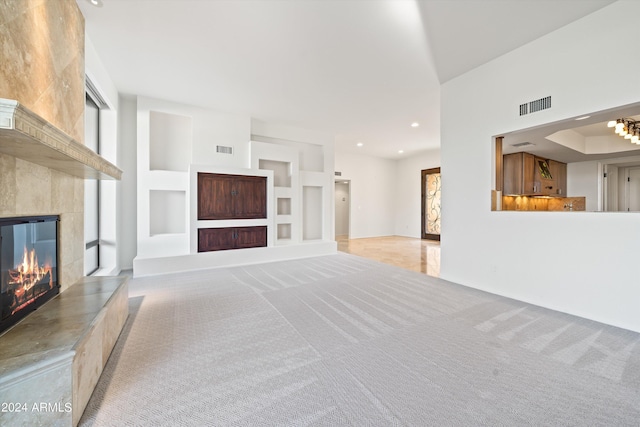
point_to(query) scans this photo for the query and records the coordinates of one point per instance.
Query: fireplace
(28, 265)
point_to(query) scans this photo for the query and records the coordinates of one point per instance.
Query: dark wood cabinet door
(251, 237)
(215, 196)
(222, 196)
(250, 197)
(215, 239)
(220, 239)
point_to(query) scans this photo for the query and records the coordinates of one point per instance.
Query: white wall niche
(281, 171)
(312, 213)
(284, 232)
(283, 206)
(170, 140)
(166, 212)
(311, 156)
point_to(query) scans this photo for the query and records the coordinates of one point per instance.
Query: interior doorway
(620, 188)
(342, 202)
(431, 192)
(633, 189)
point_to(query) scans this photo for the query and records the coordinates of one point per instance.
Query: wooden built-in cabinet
(219, 239)
(526, 174)
(222, 196)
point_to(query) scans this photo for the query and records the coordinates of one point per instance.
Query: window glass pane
(91, 192)
(90, 260)
(90, 210)
(91, 115)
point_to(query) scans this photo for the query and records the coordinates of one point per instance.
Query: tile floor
(413, 254)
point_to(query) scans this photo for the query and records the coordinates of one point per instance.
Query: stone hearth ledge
(56, 354)
(26, 135)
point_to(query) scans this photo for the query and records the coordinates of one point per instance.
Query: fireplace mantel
(25, 135)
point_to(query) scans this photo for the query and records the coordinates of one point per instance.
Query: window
(92, 192)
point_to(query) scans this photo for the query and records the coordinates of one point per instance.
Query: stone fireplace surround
(44, 69)
(54, 357)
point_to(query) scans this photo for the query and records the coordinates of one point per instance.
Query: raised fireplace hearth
(28, 266)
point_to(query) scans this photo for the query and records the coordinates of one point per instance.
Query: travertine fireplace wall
(43, 69)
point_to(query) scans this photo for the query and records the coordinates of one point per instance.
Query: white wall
(408, 193)
(128, 198)
(95, 70)
(373, 188)
(582, 262)
(582, 180)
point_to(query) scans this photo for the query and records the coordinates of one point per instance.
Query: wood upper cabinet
(526, 174)
(518, 173)
(222, 196)
(559, 172)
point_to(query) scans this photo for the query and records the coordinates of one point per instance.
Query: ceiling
(360, 70)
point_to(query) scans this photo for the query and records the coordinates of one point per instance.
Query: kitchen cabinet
(559, 172)
(527, 174)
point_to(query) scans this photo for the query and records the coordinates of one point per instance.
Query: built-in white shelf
(281, 171)
(170, 138)
(283, 232)
(283, 206)
(166, 212)
(284, 219)
(312, 204)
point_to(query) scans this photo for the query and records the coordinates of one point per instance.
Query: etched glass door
(431, 192)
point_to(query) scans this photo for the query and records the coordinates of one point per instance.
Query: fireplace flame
(29, 273)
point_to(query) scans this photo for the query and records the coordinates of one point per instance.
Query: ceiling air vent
(338, 173)
(537, 105)
(522, 144)
(223, 149)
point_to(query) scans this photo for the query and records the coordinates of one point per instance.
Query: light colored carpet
(341, 340)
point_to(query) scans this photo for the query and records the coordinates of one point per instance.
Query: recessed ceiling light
(359, 144)
(400, 151)
(415, 124)
(96, 3)
(345, 182)
(583, 117)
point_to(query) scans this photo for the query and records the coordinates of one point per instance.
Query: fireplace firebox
(28, 265)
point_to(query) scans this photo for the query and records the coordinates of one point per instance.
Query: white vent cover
(537, 105)
(224, 149)
(522, 144)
